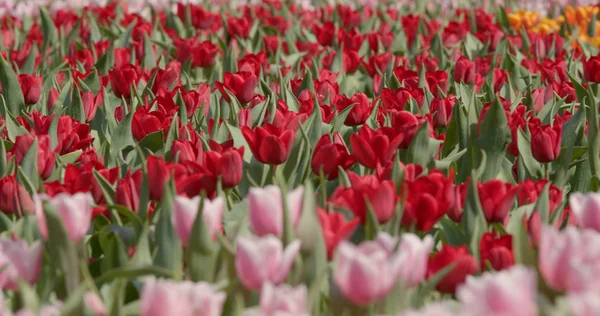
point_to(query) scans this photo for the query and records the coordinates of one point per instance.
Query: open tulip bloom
(295, 157)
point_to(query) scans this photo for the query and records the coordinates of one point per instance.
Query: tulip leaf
(11, 89)
(473, 219)
(419, 151)
(542, 205)
(201, 253)
(586, 98)
(239, 140)
(123, 135)
(149, 54)
(30, 164)
(494, 139)
(153, 142)
(372, 223)
(114, 250)
(107, 189)
(76, 109)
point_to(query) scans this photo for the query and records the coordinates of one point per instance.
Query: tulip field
(298, 157)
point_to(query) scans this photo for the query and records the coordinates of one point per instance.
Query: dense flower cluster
(299, 158)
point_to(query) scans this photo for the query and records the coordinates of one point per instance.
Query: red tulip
(591, 69)
(380, 194)
(128, 191)
(464, 265)
(45, 155)
(428, 198)
(122, 56)
(545, 140)
(374, 147)
(359, 113)
(186, 151)
(335, 229)
(464, 71)
(122, 78)
(397, 99)
(31, 86)
(437, 80)
(497, 198)
(158, 175)
(52, 98)
(238, 27)
(91, 104)
(227, 162)
(270, 144)
(497, 251)
(500, 78)
(14, 199)
(442, 110)
(145, 123)
(165, 79)
(329, 155)
(240, 84)
(204, 54)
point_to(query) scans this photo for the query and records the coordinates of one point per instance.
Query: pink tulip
(584, 304)
(167, 297)
(508, 292)
(586, 208)
(433, 309)
(265, 209)
(281, 300)
(184, 215)
(570, 259)
(19, 261)
(93, 302)
(368, 272)
(261, 260)
(74, 210)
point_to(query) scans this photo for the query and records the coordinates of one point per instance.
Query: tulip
(359, 113)
(335, 229)
(185, 211)
(437, 80)
(31, 86)
(146, 122)
(545, 141)
(52, 99)
(227, 164)
(591, 69)
(270, 144)
(238, 27)
(128, 191)
(158, 176)
(496, 199)
(186, 151)
(19, 262)
(204, 54)
(329, 155)
(93, 302)
(167, 297)
(584, 304)
(374, 147)
(464, 265)
(464, 71)
(165, 78)
(432, 309)
(264, 260)
(240, 84)
(509, 292)
(14, 199)
(570, 259)
(397, 99)
(45, 155)
(428, 198)
(195, 99)
(265, 209)
(442, 111)
(75, 211)
(496, 251)
(281, 300)
(586, 208)
(91, 104)
(122, 78)
(368, 272)
(381, 195)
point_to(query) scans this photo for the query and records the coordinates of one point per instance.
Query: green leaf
(107, 189)
(48, 28)
(153, 142)
(76, 109)
(473, 220)
(201, 253)
(149, 58)
(11, 89)
(123, 135)
(30, 164)
(61, 249)
(494, 139)
(169, 251)
(133, 272)
(420, 151)
(542, 205)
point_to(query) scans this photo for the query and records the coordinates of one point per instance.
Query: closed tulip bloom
(45, 155)
(584, 304)
(545, 141)
(368, 272)
(185, 211)
(265, 209)
(464, 71)
(31, 86)
(374, 147)
(14, 199)
(359, 113)
(52, 98)
(497, 198)
(586, 208)
(264, 260)
(75, 211)
(128, 189)
(270, 144)
(329, 155)
(240, 84)
(227, 164)
(591, 69)
(122, 78)
(570, 259)
(496, 251)
(464, 265)
(19, 261)
(428, 198)
(91, 104)
(158, 175)
(509, 292)
(442, 111)
(281, 300)
(167, 297)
